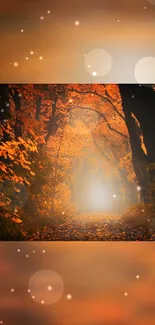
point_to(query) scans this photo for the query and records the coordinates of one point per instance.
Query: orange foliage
(72, 123)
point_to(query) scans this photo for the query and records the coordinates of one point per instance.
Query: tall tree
(140, 101)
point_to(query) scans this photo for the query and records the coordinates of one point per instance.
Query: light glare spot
(152, 2)
(98, 62)
(77, 23)
(145, 70)
(47, 286)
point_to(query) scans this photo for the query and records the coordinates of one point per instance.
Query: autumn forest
(77, 162)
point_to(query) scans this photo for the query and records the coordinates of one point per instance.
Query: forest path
(100, 228)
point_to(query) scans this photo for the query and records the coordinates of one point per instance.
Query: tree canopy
(51, 136)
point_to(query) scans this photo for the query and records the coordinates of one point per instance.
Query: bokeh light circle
(145, 70)
(46, 287)
(152, 2)
(98, 62)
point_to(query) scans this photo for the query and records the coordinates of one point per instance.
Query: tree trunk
(143, 107)
(38, 107)
(18, 122)
(4, 110)
(51, 123)
(136, 106)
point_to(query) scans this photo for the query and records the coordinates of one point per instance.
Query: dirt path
(100, 228)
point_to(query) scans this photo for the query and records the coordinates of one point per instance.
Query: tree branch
(107, 99)
(102, 115)
(113, 145)
(100, 150)
(11, 93)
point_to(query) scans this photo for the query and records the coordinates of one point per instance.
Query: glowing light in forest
(138, 188)
(98, 196)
